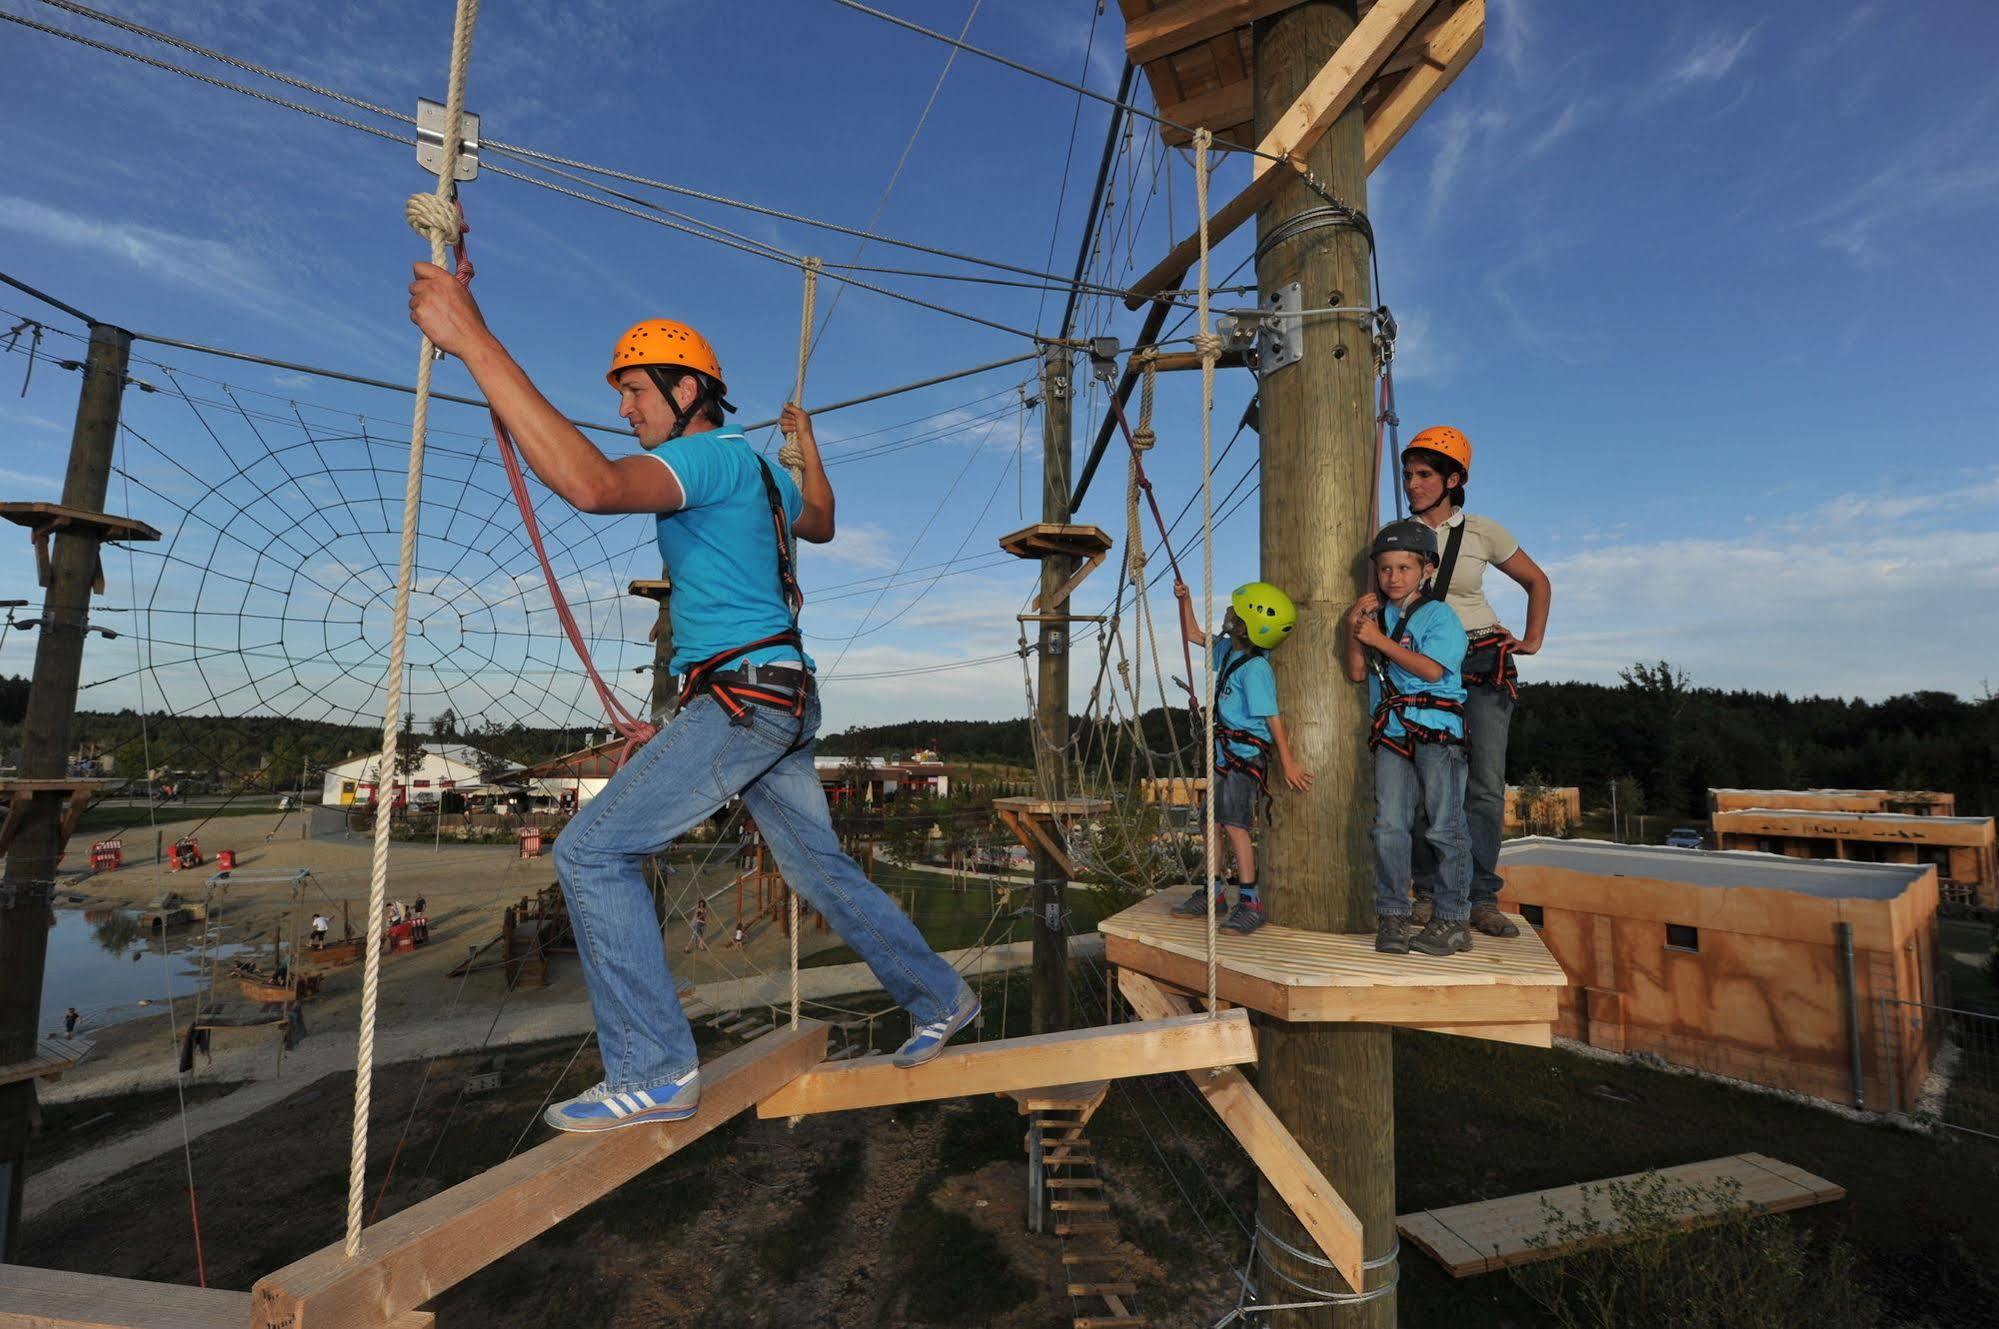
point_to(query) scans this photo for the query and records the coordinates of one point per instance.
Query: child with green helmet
(1248, 729)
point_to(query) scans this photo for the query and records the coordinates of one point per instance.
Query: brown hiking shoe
(1487, 919)
(1391, 934)
(1425, 909)
(1442, 936)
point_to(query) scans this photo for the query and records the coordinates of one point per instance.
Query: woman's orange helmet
(1445, 442)
(663, 343)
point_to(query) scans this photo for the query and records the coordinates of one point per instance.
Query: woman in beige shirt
(1435, 469)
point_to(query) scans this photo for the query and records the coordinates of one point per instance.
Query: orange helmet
(1445, 442)
(665, 343)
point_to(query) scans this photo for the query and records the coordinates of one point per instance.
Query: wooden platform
(57, 1299)
(655, 589)
(79, 792)
(1086, 544)
(1082, 1099)
(1493, 1234)
(1025, 818)
(52, 1057)
(1504, 988)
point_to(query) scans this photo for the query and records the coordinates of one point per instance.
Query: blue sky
(1709, 287)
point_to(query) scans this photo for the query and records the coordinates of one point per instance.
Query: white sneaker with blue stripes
(928, 1040)
(598, 1109)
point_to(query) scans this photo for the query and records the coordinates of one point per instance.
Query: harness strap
(1395, 702)
(1440, 585)
(1504, 672)
(1226, 759)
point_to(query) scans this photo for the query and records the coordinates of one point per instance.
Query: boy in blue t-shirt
(1408, 648)
(1247, 729)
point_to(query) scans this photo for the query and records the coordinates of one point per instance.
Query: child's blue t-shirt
(721, 551)
(1432, 630)
(1249, 697)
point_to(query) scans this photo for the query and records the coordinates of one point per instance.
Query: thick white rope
(1210, 347)
(436, 218)
(793, 459)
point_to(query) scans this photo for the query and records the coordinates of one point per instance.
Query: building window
(1682, 937)
(1532, 913)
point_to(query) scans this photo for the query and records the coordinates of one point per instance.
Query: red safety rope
(632, 729)
(1165, 541)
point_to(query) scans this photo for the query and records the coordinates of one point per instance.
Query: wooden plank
(1294, 1176)
(52, 1057)
(1457, 40)
(1103, 1289)
(56, 516)
(1496, 1234)
(1222, 109)
(1301, 126)
(1527, 1033)
(407, 1259)
(59, 1299)
(1083, 1099)
(1153, 1047)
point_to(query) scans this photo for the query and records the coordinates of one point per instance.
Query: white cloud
(1558, 129)
(1456, 130)
(1713, 58)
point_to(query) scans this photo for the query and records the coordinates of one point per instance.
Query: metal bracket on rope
(430, 140)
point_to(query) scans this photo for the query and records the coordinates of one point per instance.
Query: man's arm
(815, 519)
(1188, 627)
(556, 450)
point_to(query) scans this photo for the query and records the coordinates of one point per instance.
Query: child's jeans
(1433, 782)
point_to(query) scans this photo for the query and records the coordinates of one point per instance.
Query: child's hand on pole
(1300, 781)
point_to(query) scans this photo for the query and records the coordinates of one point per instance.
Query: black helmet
(1407, 536)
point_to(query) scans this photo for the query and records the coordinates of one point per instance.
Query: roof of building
(1836, 793)
(1824, 878)
(462, 754)
(1878, 818)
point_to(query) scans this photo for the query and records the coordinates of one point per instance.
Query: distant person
(737, 942)
(320, 924)
(69, 1019)
(697, 928)
(1247, 730)
(417, 908)
(1435, 468)
(748, 707)
(1407, 647)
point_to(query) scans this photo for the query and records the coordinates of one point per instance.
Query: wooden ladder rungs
(1073, 1183)
(1103, 1289)
(1091, 1257)
(1110, 1321)
(1080, 1206)
(1082, 1229)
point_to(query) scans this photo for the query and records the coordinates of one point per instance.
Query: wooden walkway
(1493, 1234)
(1504, 988)
(52, 1057)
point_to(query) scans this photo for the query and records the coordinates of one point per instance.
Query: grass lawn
(951, 917)
(134, 819)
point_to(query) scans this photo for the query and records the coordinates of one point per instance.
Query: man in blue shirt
(1247, 730)
(749, 706)
(1408, 647)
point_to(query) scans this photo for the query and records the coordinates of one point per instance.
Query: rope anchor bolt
(430, 140)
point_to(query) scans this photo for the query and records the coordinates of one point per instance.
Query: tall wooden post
(1331, 1084)
(28, 888)
(1051, 888)
(663, 690)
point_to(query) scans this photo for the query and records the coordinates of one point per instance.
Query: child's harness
(1256, 767)
(1397, 703)
(780, 687)
(1488, 663)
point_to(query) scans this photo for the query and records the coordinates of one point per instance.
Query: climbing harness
(1395, 703)
(1488, 662)
(1226, 759)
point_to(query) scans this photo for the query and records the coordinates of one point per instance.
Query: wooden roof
(1196, 55)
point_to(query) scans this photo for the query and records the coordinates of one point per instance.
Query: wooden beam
(1329, 1219)
(59, 1299)
(412, 1256)
(1153, 1047)
(1456, 41)
(1527, 1033)
(1221, 109)
(1311, 114)
(1184, 23)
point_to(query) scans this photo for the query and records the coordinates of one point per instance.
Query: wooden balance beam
(411, 1257)
(1151, 1047)
(58, 1299)
(1291, 1173)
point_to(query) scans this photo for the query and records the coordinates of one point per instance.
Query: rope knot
(792, 458)
(1142, 439)
(435, 219)
(1209, 344)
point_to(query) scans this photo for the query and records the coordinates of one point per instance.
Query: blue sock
(1245, 892)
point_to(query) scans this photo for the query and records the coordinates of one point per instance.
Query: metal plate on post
(430, 139)
(1280, 340)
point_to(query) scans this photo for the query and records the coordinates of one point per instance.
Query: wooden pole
(27, 891)
(662, 656)
(1051, 883)
(1330, 1084)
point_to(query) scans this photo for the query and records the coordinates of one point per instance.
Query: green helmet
(1266, 611)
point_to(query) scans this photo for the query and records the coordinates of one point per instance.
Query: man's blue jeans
(1488, 719)
(1421, 796)
(690, 768)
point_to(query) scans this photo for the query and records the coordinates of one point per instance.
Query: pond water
(113, 970)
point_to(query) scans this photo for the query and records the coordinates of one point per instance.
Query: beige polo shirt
(1485, 542)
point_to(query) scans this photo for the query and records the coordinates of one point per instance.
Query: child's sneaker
(598, 1109)
(929, 1039)
(1442, 936)
(1244, 919)
(1196, 904)
(1391, 934)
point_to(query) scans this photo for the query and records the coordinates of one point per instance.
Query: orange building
(1914, 802)
(1960, 848)
(1556, 809)
(1736, 963)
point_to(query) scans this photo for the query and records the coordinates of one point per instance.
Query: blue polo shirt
(720, 551)
(1248, 699)
(1433, 630)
